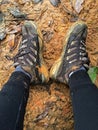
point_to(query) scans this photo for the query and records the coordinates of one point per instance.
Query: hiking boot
(29, 56)
(74, 55)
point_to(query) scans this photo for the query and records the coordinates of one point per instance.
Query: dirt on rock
(49, 106)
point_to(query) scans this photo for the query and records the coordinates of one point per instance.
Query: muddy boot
(74, 55)
(29, 56)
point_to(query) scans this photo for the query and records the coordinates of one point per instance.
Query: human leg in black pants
(71, 68)
(84, 96)
(29, 66)
(13, 100)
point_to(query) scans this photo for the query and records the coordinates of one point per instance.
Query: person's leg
(30, 68)
(13, 100)
(84, 96)
(71, 68)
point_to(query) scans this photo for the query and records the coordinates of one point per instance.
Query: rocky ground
(49, 107)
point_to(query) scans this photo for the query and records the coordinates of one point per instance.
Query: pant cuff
(79, 79)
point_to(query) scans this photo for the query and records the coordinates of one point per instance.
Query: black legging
(14, 95)
(85, 101)
(13, 100)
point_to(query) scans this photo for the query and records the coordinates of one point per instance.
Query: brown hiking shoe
(74, 55)
(29, 55)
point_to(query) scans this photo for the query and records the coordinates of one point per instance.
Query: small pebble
(36, 1)
(55, 2)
